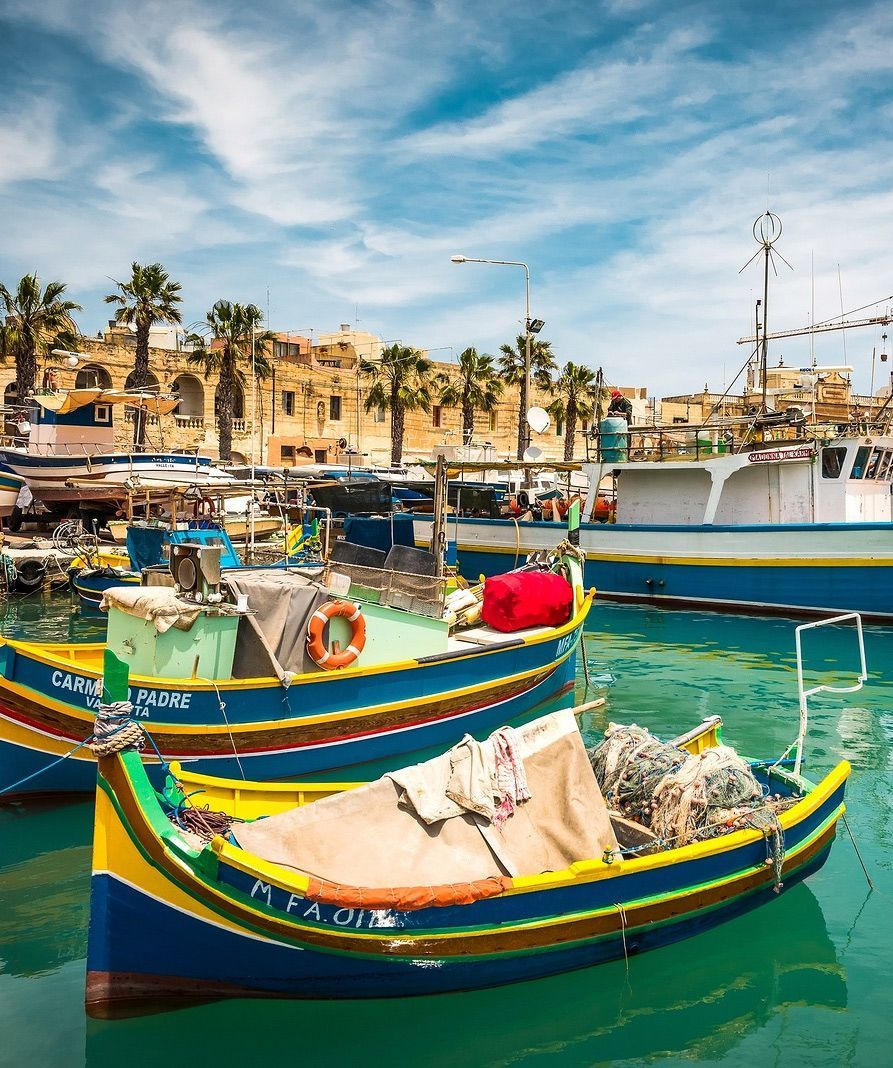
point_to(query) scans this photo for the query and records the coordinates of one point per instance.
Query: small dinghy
(519, 857)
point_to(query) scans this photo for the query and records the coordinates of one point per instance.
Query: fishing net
(683, 797)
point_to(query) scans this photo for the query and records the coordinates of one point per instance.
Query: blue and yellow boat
(174, 917)
(416, 685)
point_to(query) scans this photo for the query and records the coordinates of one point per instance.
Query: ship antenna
(766, 231)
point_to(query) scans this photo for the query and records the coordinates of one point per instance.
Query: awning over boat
(370, 837)
(64, 401)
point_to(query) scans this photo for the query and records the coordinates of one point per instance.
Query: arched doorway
(192, 397)
(93, 377)
(150, 383)
(10, 395)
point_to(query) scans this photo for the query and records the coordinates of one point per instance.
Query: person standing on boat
(620, 406)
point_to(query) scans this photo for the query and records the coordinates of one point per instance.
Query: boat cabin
(79, 421)
(847, 480)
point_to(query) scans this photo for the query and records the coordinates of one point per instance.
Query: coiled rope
(115, 731)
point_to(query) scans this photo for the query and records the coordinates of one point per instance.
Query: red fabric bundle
(527, 599)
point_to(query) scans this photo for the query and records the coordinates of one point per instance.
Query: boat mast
(766, 231)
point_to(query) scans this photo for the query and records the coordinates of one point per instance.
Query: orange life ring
(204, 506)
(316, 646)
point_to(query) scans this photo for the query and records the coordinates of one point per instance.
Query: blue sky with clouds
(337, 154)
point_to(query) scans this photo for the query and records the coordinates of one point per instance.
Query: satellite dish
(538, 420)
(532, 453)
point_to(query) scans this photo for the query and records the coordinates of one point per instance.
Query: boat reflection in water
(44, 882)
(701, 999)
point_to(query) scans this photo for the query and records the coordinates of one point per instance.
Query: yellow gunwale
(66, 655)
(584, 871)
(702, 561)
(252, 726)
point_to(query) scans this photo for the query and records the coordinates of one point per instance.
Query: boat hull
(10, 487)
(109, 476)
(322, 723)
(91, 583)
(808, 569)
(221, 930)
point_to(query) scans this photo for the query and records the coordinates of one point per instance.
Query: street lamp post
(527, 331)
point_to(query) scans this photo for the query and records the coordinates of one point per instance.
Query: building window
(288, 402)
(320, 456)
(679, 419)
(559, 427)
(378, 415)
(334, 407)
(436, 413)
(493, 420)
(286, 348)
(584, 425)
(287, 454)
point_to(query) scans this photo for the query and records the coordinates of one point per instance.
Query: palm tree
(478, 387)
(400, 384)
(148, 297)
(223, 351)
(35, 320)
(578, 392)
(542, 364)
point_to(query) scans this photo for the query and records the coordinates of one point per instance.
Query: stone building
(310, 410)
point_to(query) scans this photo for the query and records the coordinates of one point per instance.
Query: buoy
(316, 646)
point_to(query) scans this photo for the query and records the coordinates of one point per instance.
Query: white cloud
(323, 156)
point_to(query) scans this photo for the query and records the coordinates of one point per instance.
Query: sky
(326, 160)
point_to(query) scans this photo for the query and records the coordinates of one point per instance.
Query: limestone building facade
(312, 408)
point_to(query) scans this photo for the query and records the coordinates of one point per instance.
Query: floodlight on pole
(72, 359)
(528, 331)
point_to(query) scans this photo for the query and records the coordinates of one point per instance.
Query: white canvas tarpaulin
(368, 837)
(157, 604)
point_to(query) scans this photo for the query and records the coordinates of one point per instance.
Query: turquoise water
(804, 980)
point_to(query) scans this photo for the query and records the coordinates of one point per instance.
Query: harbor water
(803, 980)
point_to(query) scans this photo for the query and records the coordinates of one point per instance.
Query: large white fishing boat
(802, 525)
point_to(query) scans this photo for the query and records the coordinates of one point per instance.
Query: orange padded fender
(405, 898)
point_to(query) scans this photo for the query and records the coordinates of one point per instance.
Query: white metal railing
(805, 694)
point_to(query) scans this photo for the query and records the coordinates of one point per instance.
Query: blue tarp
(381, 533)
(145, 546)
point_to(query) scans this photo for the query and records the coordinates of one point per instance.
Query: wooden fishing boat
(176, 917)
(416, 684)
(10, 488)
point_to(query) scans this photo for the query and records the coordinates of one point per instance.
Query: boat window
(103, 413)
(832, 461)
(871, 469)
(861, 459)
(883, 470)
